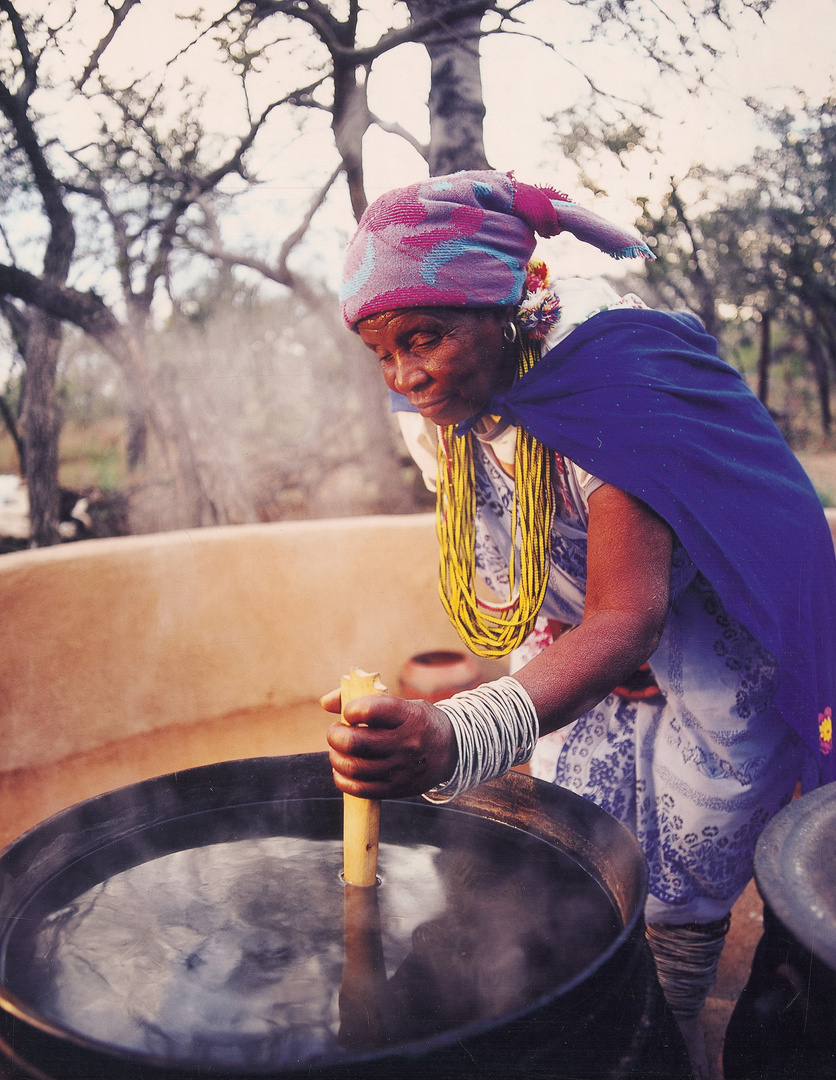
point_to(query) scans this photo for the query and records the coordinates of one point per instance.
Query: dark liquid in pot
(200, 943)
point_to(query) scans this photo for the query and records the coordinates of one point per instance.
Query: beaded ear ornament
(539, 309)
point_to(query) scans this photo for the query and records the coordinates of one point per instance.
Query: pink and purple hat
(461, 241)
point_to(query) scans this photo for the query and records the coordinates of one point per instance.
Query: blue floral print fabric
(694, 774)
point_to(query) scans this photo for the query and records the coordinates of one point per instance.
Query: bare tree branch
(85, 310)
(331, 32)
(396, 129)
(277, 271)
(298, 234)
(271, 271)
(18, 321)
(119, 15)
(7, 242)
(28, 62)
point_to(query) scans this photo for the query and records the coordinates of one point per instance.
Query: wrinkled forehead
(397, 315)
(403, 319)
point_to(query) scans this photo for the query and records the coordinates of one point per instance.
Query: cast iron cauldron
(784, 1024)
(85, 887)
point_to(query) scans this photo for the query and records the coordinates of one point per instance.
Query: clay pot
(432, 676)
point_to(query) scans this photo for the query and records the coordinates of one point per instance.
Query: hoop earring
(509, 332)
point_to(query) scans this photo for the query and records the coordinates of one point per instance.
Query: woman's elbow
(650, 630)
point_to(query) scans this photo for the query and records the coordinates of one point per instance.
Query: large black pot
(784, 1024)
(607, 1019)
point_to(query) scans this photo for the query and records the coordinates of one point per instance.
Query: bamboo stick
(361, 817)
(363, 986)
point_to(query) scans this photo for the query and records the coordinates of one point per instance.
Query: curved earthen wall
(124, 659)
(217, 641)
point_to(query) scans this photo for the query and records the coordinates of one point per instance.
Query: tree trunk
(765, 357)
(136, 437)
(456, 104)
(819, 362)
(350, 123)
(40, 418)
(41, 424)
(155, 403)
(696, 271)
(164, 411)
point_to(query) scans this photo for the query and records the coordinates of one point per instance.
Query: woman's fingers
(378, 710)
(391, 747)
(378, 729)
(361, 745)
(331, 701)
(381, 711)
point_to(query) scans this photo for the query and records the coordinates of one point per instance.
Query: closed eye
(424, 340)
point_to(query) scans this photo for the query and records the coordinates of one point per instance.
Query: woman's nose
(409, 374)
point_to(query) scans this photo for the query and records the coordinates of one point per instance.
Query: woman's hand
(388, 747)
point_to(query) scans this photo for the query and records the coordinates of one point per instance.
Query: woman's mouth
(430, 407)
(445, 410)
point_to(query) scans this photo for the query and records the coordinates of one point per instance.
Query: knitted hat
(461, 241)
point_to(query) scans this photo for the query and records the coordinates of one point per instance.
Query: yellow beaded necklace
(493, 630)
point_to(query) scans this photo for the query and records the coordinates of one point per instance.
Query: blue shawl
(641, 400)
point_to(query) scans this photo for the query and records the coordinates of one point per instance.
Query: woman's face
(448, 362)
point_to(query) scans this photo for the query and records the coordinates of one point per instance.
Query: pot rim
(795, 874)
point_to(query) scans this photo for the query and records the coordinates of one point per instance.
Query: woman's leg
(686, 961)
(697, 802)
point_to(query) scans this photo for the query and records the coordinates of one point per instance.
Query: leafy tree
(688, 271)
(761, 238)
(787, 252)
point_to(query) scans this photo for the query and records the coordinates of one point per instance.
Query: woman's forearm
(627, 595)
(586, 663)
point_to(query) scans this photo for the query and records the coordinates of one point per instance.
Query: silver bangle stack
(495, 727)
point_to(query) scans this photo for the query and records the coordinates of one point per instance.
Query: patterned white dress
(696, 772)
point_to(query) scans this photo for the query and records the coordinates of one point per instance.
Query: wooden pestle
(362, 997)
(361, 817)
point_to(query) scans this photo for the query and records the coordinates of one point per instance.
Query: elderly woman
(655, 557)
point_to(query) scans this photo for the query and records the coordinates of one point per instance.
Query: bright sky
(523, 82)
(792, 48)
